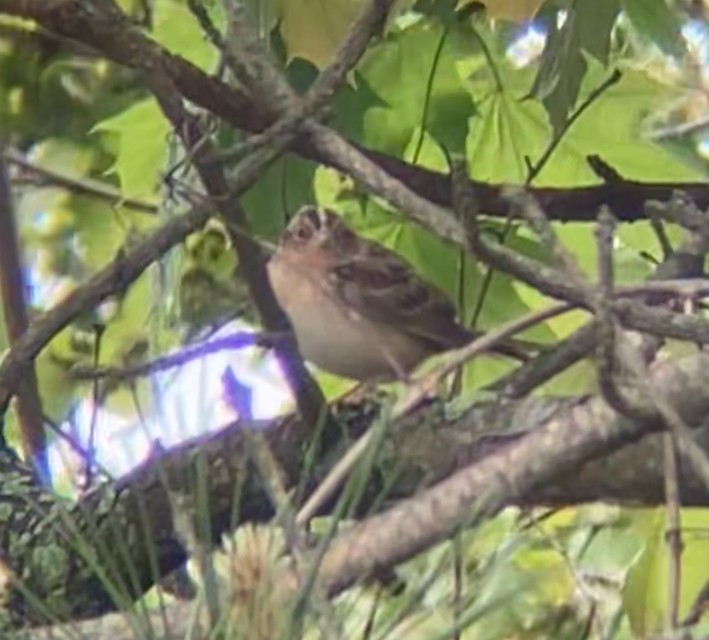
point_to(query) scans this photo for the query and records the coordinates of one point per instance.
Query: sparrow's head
(318, 228)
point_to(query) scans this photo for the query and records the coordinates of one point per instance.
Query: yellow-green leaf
(142, 132)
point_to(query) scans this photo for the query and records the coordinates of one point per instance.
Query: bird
(358, 309)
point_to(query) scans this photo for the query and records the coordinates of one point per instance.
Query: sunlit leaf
(142, 131)
(645, 597)
(640, 237)
(177, 29)
(103, 230)
(74, 159)
(126, 341)
(508, 129)
(427, 152)
(333, 19)
(414, 73)
(56, 387)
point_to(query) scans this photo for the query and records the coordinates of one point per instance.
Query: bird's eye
(303, 232)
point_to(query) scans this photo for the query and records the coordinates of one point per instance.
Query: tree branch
(14, 308)
(561, 446)
(85, 186)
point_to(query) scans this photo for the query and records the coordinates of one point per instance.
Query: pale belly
(352, 347)
(340, 342)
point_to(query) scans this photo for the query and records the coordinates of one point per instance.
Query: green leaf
(74, 159)
(645, 595)
(613, 549)
(348, 106)
(641, 238)
(178, 30)
(281, 190)
(586, 29)
(57, 388)
(413, 71)
(298, 18)
(103, 230)
(142, 133)
(427, 151)
(125, 341)
(507, 129)
(655, 20)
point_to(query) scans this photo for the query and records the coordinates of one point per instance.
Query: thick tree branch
(561, 446)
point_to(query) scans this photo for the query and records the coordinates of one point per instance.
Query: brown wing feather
(385, 289)
(382, 287)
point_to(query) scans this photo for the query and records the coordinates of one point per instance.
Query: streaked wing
(381, 287)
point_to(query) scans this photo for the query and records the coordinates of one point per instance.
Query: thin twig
(85, 186)
(581, 587)
(540, 276)
(535, 170)
(75, 446)
(457, 603)
(528, 208)
(199, 11)
(698, 608)
(673, 532)
(679, 210)
(606, 335)
(241, 340)
(662, 238)
(680, 129)
(564, 354)
(99, 331)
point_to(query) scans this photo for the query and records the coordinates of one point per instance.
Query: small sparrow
(359, 310)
